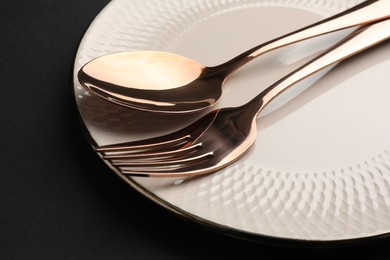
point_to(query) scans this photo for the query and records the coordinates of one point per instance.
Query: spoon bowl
(159, 81)
(169, 83)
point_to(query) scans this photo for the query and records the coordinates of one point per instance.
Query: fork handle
(367, 12)
(361, 39)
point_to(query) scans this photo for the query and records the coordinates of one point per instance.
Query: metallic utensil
(169, 83)
(224, 135)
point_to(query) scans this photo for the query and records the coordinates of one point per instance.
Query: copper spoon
(222, 136)
(169, 83)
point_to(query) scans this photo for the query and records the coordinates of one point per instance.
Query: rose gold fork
(224, 135)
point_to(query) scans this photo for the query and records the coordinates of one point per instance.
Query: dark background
(57, 199)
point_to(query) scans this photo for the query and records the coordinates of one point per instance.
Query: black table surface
(57, 199)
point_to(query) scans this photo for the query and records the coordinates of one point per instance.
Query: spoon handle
(367, 12)
(360, 40)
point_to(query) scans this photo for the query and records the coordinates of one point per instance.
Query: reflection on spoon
(169, 83)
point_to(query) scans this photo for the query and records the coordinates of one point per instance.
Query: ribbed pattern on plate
(340, 204)
(343, 203)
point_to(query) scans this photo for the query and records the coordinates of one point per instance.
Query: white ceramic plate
(320, 168)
